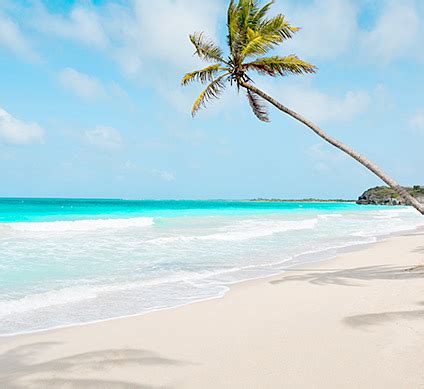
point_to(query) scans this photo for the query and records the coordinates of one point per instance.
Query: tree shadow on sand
(419, 249)
(349, 277)
(373, 319)
(17, 369)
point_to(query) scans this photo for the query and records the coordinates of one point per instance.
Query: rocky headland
(383, 195)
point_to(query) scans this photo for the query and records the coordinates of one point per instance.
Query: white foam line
(82, 225)
(248, 229)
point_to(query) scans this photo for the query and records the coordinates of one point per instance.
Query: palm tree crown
(251, 35)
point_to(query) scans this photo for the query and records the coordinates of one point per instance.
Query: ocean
(68, 261)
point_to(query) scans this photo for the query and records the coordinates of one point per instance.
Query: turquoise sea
(65, 262)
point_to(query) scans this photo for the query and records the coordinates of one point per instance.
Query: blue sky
(91, 105)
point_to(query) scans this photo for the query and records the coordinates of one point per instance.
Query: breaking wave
(82, 225)
(248, 229)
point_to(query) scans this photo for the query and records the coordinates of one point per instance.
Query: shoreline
(317, 257)
(262, 332)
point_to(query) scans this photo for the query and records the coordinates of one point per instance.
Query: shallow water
(73, 261)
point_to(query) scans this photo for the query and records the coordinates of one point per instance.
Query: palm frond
(273, 66)
(212, 91)
(253, 34)
(204, 75)
(258, 43)
(258, 106)
(231, 25)
(279, 26)
(206, 49)
(258, 16)
(244, 12)
(242, 16)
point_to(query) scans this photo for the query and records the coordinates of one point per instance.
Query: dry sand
(356, 321)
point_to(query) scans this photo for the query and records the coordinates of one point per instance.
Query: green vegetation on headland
(383, 195)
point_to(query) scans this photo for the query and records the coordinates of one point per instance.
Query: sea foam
(245, 230)
(82, 225)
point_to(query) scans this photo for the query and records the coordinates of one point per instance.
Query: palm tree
(251, 35)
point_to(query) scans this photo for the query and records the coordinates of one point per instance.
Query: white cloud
(104, 138)
(92, 89)
(13, 39)
(325, 158)
(327, 27)
(321, 107)
(164, 175)
(17, 132)
(417, 122)
(130, 165)
(330, 28)
(140, 40)
(382, 100)
(83, 25)
(168, 40)
(130, 34)
(151, 50)
(81, 84)
(161, 174)
(194, 137)
(395, 34)
(142, 43)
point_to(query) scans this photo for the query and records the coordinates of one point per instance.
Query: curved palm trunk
(361, 159)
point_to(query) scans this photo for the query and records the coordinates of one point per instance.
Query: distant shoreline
(310, 200)
(302, 201)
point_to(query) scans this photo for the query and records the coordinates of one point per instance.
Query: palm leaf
(203, 75)
(244, 12)
(279, 26)
(206, 49)
(273, 66)
(258, 43)
(212, 91)
(242, 20)
(231, 24)
(260, 13)
(251, 34)
(258, 106)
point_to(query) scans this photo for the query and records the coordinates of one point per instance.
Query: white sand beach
(356, 321)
